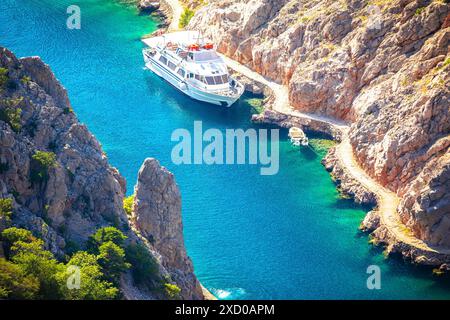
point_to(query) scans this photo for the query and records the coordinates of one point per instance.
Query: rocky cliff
(382, 66)
(157, 215)
(61, 183)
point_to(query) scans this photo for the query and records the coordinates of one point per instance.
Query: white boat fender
(182, 85)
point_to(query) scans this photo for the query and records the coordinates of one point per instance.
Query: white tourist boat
(298, 137)
(190, 64)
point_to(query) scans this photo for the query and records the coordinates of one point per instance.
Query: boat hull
(188, 89)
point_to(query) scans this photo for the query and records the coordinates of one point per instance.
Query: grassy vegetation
(186, 16)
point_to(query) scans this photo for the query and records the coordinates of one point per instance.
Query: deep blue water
(287, 236)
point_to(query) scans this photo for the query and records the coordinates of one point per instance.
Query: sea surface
(286, 236)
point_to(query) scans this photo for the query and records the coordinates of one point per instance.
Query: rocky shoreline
(385, 73)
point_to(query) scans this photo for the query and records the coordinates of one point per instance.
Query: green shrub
(33, 272)
(35, 261)
(15, 283)
(186, 16)
(92, 284)
(13, 235)
(3, 77)
(10, 113)
(41, 162)
(420, 10)
(143, 266)
(6, 208)
(128, 204)
(68, 110)
(25, 80)
(172, 291)
(104, 235)
(111, 258)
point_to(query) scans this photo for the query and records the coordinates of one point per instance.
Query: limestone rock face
(81, 192)
(157, 215)
(383, 66)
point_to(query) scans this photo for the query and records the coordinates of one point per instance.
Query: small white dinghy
(298, 137)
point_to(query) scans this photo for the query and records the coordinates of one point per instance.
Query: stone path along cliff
(387, 200)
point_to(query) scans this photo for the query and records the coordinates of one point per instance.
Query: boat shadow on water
(238, 115)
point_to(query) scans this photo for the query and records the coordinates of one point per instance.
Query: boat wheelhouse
(298, 137)
(191, 65)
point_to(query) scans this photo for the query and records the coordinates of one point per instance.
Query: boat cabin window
(225, 78)
(171, 65)
(219, 80)
(198, 77)
(210, 80)
(181, 72)
(205, 56)
(163, 59)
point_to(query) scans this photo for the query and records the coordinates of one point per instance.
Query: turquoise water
(287, 236)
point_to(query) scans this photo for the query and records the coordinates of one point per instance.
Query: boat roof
(207, 67)
(181, 37)
(295, 132)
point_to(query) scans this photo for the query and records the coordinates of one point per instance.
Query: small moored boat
(298, 137)
(190, 64)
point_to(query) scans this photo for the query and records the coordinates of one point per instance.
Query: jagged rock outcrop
(82, 191)
(78, 191)
(157, 215)
(384, 66)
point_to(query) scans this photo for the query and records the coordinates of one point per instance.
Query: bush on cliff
(172, 291)
(186, 16)
(3, 77)
(143, 266)
(35, 261)
(6, 210)
(92, 285)
(12, 235)
(111, 258)
(11, 113)
(43, 277)
(128, 204)
(15, 283)
(41, 163)
(104, 235)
